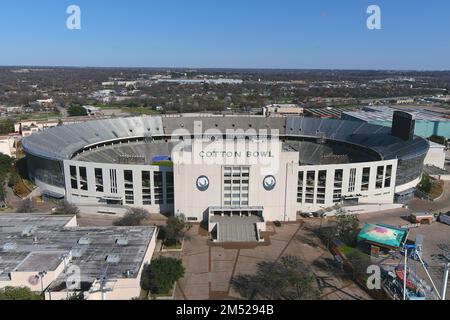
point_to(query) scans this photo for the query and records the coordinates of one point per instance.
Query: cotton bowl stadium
(234, 172)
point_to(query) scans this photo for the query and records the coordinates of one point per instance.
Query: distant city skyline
(250, 34)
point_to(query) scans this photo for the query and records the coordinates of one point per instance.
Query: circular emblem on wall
(269, 183)
(202, 183)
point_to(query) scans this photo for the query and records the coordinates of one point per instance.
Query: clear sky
(227, 33)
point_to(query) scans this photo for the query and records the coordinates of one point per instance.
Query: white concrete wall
(435, 156)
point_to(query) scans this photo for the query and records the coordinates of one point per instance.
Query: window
(300, 184)
(83, 179)
(113, 179)
(146, 188)
(365, 179)
(380, 177)
(98, 180)
(236, 186)
(158, 187)
(73, 177)
(387, 180)
(128, 185)
(352, 180)
(337, 192)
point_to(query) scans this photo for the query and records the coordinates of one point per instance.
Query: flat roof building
(50, 253)
(428, 123)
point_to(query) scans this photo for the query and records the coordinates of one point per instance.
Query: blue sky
(227, 33)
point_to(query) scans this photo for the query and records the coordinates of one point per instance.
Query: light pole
(41, 275)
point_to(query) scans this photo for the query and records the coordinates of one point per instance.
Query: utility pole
(41, 275)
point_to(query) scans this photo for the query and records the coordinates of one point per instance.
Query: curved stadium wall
(109, 162)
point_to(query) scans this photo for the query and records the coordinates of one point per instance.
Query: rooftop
(35, 243)
(384, 113)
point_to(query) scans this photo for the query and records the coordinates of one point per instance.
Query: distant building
(282, 109)
(428, 123)
(92, 111)
(101, 263)
(28, 127)
(8, 144)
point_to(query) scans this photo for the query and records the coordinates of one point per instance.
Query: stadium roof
(63, 142)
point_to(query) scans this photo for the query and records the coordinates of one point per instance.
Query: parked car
(307, 214)
(445, 218)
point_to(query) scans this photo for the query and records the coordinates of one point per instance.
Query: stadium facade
(211, 167)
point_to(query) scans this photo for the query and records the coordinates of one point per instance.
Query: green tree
(76, 111)
(160, 276)
(347, 227)
(288, 279)
(426, 184)
(19, 293)
(133, 217)
(174, 230)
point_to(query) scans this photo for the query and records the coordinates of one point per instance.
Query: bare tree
(133, 217)
(67, 208)
(288, 279)
(26, 206)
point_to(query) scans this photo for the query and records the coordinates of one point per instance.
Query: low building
(427, 123)
(8, 144)
(282, 109)
(51, 254)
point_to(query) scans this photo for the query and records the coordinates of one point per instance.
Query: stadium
(234, 172)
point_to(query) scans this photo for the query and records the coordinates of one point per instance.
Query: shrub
(22, 293)
(133, 217)
(160, 276)
(67, 208)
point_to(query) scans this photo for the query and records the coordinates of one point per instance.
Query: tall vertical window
(158, 187)
(321, 186)
(380, 177)
(98, 180)
(337, 192)
(169, 187)
(146, 188)
(236, 186)
(73, 177)
(310, 186)
(300, 184)
(83, 179)
(352, 180)
(388, 179)
(113, 180)
(365, 182)
(128, 185)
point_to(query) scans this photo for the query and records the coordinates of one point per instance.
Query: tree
(76, 111)
(347, 227)
(67, 208)
(133, 217)
(288, 279)
(174, 230)
(26, 206)
(19, 293)
(426, 184)
(160, 276)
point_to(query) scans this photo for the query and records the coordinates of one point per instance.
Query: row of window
(80, 182)
(312, 186)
